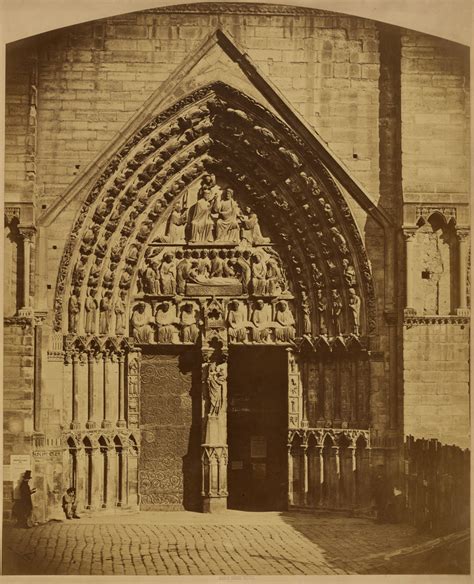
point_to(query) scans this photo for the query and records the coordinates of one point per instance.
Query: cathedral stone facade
(236, 257)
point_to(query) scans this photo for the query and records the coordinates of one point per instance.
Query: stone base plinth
(214, 504)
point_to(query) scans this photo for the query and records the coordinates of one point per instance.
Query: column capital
(409, 233)
(462, 234)
(27, 232)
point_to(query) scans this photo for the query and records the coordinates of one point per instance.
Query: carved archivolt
(215, 179)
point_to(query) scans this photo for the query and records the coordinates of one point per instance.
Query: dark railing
(436, 485)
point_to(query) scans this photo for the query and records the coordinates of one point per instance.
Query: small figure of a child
(70, 504)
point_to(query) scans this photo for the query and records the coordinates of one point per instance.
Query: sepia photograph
(236, 290)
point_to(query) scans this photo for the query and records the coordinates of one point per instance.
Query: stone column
(214, 446)
(96, 478)
(338, 474)
(290, 476)
(90, 424)
(409, 235)
(121, 422)
(305, 474)
(27, 234)
(321, 474)
(75, 424)
(463, 238)
(106, 421)
(354, 475)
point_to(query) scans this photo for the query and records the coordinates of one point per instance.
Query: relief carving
(151, 157)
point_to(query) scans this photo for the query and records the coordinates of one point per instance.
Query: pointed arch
(276, 174)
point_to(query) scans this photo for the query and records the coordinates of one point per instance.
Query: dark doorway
(257, 428)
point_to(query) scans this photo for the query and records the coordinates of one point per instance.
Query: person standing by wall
(25, 504)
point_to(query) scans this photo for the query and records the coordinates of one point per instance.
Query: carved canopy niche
(284, 218)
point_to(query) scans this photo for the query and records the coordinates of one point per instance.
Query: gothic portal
(212, 237)
(208, 310)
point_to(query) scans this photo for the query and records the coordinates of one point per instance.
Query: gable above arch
(218, 59)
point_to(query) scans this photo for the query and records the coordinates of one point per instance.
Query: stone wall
(436, 382)
(393, 106)
(435, 119)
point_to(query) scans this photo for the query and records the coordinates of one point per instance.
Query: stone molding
(436, 319)
(337, 435)
(238, 8)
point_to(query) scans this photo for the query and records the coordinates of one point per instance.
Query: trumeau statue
(216, 381)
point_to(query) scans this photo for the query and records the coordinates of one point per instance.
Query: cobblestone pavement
(234, 542)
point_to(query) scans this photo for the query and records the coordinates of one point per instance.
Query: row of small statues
(215, 217)
(167, 327)
(257, 274)
(107, 311)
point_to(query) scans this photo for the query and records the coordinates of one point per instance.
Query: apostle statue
(182, 270)
(166, 320)
(243, 269)
(142, 330)
(285, 332)
(259, 276)
(168, 275)
(273, 278)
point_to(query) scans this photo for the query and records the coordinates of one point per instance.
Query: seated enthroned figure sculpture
(189, 327)
(237, 322)
(227, 211)
(142, 330)
(285, 331)
(201, 221)
(262, 322)
(166, 320)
